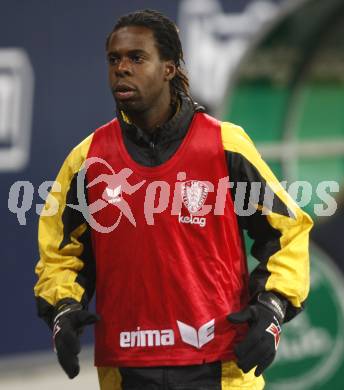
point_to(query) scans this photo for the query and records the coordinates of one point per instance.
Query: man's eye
(137, 59)
(113, 60)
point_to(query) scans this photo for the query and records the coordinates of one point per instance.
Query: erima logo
(114, 195)
(146, 338)
(275, 330)
(194, 337)
(56, 330)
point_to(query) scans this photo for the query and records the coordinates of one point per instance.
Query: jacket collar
(172, 130)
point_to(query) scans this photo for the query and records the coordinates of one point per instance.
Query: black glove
(67, 327)
(260, 344)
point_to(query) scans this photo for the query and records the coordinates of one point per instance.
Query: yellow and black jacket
(66, 269)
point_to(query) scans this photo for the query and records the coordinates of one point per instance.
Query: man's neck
(154, 117)
(150, 120)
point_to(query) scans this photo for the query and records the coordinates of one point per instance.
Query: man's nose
(123, 67)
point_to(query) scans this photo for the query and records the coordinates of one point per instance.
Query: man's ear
(170, 70)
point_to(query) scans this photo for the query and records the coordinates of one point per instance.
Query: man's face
(138, 77)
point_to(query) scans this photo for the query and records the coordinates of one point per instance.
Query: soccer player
(169, 192)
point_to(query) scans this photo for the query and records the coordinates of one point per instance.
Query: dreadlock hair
(168, 43)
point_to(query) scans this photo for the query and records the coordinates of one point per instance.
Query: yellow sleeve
(66, 268)
(280, 231)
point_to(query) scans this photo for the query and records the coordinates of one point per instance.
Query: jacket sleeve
(278, 227)
(66, 268)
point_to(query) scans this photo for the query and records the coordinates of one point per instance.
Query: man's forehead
(132, 38)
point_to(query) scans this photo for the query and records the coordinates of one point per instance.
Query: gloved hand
(260, 344)
(68, 324)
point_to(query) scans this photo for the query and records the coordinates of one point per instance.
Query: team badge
(194, 194)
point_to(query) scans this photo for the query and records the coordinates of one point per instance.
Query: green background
(289, 97)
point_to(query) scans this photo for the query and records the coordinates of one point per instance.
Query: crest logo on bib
(194, 194)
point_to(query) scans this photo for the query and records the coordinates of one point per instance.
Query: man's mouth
(124, 91)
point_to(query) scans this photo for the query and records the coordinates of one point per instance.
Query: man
(160, 239)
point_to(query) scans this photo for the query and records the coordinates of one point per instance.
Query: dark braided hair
(167, 41)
